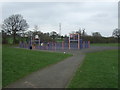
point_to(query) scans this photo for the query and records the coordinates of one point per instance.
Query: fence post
(78, 41)
(63, 45)
(88, 44)
(55, 45)
(69, 43)
(83, 44)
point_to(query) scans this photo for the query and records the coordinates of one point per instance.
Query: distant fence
(55, 45)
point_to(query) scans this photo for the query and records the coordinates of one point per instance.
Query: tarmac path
(57, 75)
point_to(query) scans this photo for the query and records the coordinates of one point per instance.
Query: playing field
(18, 63)
(99, 70)
(105, 44)
(0, 66)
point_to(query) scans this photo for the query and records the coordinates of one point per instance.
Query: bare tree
(116, 33)
(84, 32)
(36, 28)
(79, 32)
(14, 24)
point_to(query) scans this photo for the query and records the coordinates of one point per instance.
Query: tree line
(15, 29)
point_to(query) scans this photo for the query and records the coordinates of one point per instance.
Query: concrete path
(57, 75)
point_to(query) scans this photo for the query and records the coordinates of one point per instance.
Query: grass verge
(99, 70)
(18, 63)
(104, 44)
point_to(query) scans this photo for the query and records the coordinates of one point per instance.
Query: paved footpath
(57, 75)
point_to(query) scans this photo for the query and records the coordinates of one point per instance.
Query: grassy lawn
(18, 63)
(104, 44)
(0, 66)
(99, 70)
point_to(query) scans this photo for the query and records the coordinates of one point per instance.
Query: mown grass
(0, 66)
(105, 44)
(18, 63)
(99, 70)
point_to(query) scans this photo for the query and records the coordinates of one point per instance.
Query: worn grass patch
(99, 70)
(18, 63)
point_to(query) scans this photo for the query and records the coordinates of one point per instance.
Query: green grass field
(18, 63)
(99, 70)
(0, 66)
(104, 44)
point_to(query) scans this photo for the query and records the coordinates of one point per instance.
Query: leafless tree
(36, 28)
(14, 24)
(116, 33)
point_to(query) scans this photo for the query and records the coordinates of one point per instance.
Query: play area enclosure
(73, 42)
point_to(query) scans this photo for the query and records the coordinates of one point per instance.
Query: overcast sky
(93, 16)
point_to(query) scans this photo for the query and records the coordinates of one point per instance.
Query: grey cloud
(90, 15)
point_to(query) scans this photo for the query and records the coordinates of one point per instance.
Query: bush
(100, 39)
